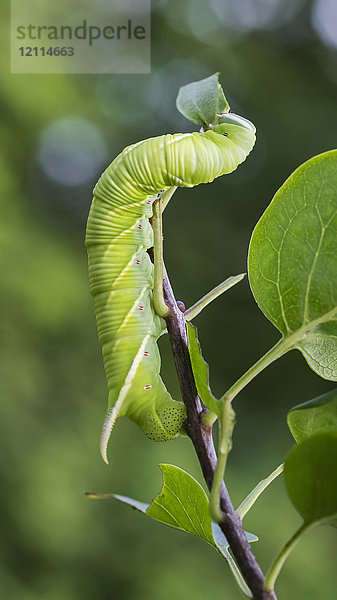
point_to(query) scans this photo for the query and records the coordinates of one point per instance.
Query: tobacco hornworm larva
(120, 270)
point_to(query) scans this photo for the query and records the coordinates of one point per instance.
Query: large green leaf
(310, 473)
(202, 101)
(183, 504)
(314, 416)
(293, 263)
(200, 371)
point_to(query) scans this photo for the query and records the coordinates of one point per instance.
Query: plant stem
(248, 502)
(158, 295)
(209, 417)
(283, 345)
(226, 429)
(279, 561)
(280, 348)
(194, 310)
(201, 436)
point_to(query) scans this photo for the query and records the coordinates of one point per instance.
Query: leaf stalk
(225, 445)
(248, 502)
(280, 348)
(194, 310)
(276, 566)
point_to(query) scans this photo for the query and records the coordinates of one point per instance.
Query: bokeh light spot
(324, 20)
(71, 151)
(248, 15)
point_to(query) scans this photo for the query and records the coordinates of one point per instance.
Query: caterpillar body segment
(121, 273)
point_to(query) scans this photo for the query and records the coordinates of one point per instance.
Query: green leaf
(202, 101)
(314, 416)
(293, 263)
(310, 473)
(201, 371)
(183, 504)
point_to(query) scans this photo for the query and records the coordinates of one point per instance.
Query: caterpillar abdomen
(121, 273)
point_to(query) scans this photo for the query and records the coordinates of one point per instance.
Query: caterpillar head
(233, 119)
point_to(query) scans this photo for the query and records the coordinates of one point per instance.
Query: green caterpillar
(120, 270)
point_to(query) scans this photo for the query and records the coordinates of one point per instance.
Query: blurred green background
(278, 68)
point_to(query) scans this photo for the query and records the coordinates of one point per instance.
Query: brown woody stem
(201, 437)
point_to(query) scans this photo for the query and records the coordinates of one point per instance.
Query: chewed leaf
(293, 263)
(202, 101)
(200, 371)
(183, 504)
(314, 416)
(310, 473)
